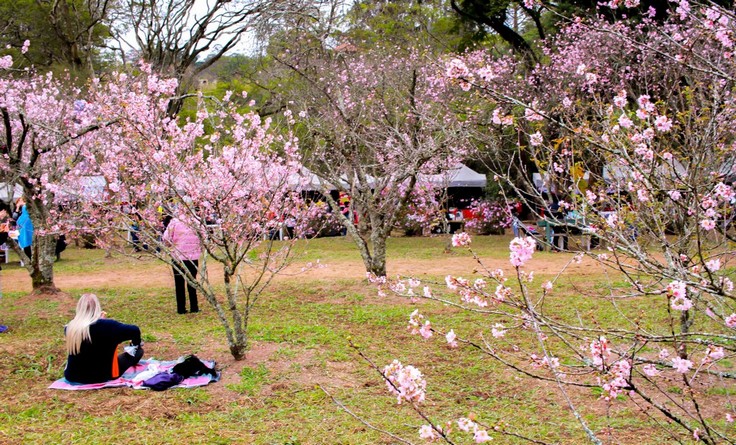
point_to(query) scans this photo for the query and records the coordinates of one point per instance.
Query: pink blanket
(135, 376)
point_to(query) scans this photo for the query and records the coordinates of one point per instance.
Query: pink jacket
(183, 241)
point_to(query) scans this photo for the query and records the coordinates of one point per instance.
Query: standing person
(91, 344)
(185, 251)
(25, 227)
(4, 222)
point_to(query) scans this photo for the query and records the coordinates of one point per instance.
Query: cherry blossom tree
(233, 187)
(631, 127)
(372, 121)
(47, 131)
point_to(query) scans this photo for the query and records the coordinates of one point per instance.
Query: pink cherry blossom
(650, 370)
(531, 114)
(600, 351)
(427, 292)
(731, 321)
(481, 436)
(461, 239)
(427, 432)
(406, 382)
(426, 330)
(465, 424)
(713, 265)
(682, 303)
(456, 69)
(625, 122)
(522, 250)
(715, 352)
(415, 320)
(724, 192)
(536, 139)
(451, 339)
(663, 124)
(620, 99)
(677, 289)
(681, 365)
(6, 62)
(708, 224)
(498, 330)
(451, 282)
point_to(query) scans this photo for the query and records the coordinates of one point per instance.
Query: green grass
(300, 333)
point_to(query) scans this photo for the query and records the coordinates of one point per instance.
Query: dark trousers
(28, 251)
(180, 283)
(126, 360)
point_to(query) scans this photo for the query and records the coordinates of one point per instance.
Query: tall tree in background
(520, 23)
(64, 33)
(180, 39)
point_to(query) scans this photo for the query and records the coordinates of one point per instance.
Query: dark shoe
(181, 312)
(193, 311)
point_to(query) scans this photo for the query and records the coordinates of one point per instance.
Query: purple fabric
(163, 380)
(129, 378)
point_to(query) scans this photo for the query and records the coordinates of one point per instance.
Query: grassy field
(300, 363)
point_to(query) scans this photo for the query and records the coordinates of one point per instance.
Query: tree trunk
(238, 339)
(41, 264)
(237, 351)
(377, 262)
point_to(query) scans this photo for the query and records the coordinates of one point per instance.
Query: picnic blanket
(136, 375)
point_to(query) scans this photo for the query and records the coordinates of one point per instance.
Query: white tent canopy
(8, 192)
(459, 176)
(307, 181)
(88, 186)
(617, 174)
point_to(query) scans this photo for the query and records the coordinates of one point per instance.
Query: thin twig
(361, 420)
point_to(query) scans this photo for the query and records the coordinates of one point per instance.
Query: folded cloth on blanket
(136, 375)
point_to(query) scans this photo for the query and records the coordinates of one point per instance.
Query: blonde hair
(88, 312)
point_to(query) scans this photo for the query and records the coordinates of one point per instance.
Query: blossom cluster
(418, 325)
(677, 290)
(522, 249)
(406, 382)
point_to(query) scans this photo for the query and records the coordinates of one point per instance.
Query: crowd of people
(17, 225)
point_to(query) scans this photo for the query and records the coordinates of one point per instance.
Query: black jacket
(93, 363)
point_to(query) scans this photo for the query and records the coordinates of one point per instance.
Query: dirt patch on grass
(150, 273)
(284, 374)
(66, 304)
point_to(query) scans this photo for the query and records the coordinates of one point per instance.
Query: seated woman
(92, 341)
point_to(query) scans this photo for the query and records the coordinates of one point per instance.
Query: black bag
(191, 366)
